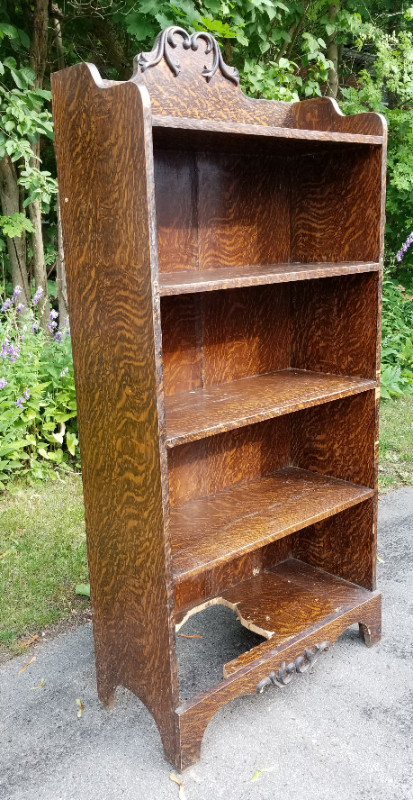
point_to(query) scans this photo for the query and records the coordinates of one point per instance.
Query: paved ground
(343, 731)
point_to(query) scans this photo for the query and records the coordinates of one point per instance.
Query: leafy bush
(38, 428)
(397, 340)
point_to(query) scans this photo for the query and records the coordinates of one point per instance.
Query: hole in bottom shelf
(201, 661)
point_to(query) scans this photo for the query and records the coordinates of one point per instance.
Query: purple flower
(35, 326)
(20, 307)
(27, 393)
(13, 352)
(6, 305)
(64, 372)
(405, 247)
(3, 383)
(53, 314)
(58, 337)
(16, 291)
(19, 402)
(37, 296)
(51, 326)
(4, 348)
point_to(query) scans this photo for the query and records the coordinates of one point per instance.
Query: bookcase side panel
(334, 325)
(105, 177)
(336, 205)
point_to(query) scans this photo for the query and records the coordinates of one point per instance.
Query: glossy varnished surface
(220, 208)
(284, 603)
(191, 281)
(104, 163)
(249, 130)
(205, 412)
(217, 529)
(170, 184)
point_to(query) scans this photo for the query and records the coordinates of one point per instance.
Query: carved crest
(166, 41)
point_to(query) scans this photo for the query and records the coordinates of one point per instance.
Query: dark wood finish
(104, 161)
(250, 130)
(283, 603)
(224, 262)
(244, 517)
(189, 281)
(222, 407)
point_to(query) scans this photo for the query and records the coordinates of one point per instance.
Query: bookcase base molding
(224, 271)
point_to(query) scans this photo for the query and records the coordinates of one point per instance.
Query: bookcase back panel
(343, 545)
(323, 325)
(243, 210)
(334, 439)
(337, 439)
(196, 590)
(220, 209)
(334, 325)
(202, 468)
(219, 337)
(335, 206)
(176, 210)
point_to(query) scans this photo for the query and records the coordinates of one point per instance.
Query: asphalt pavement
(343, 730)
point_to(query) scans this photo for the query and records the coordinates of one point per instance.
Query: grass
(42, 557)
(42, 537)
(396, 443)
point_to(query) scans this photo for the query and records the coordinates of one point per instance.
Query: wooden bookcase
(224, 260)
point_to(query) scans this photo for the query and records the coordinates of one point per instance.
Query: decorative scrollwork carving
(166, 39)
(286, 672)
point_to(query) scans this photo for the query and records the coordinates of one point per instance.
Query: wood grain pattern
(176, 190)
(283, 603)
(336, 206)
(261, 224)
(202, 468)
(238, 200)
(345, 546)
(206, 412)
(247, 516)
(252, 130)
(337, 439)
(334, 325)
(228, 335)
(104, 163)
(188, 281)
(188, 94)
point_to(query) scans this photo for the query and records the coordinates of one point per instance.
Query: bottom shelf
(288, 603)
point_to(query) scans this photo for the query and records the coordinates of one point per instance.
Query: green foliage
(388, 89)
(397, 341)
(23, 119)
(14, 224)
(38, 427)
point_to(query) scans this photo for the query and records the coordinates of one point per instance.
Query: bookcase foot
(106, 692)
(370, 627)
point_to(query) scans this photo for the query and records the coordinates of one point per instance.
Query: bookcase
(224, 263)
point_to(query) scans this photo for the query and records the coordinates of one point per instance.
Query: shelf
(191, 281)
(246, 516)
(223, 407)
(267, 131)
(288, 603)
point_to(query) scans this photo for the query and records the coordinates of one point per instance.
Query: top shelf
(208, 280)
(267, 131)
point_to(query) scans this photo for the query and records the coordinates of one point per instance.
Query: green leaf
(5, 449)
(8, 30)
(71, 442)
(83, 589)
